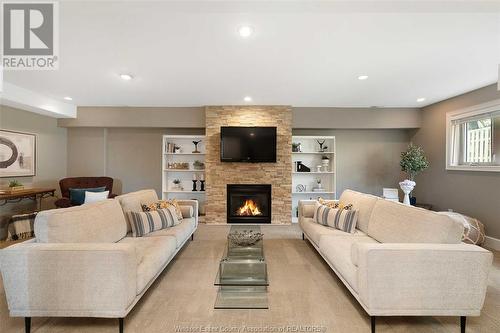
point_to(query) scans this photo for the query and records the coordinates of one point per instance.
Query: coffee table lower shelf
(242, 297)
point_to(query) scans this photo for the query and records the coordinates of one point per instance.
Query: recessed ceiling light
(126, 77)
(245, 31)
(247, 99)
(421, 99)
(68, 98)
(362, 77)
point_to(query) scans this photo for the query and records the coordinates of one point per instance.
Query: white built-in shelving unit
(183, 155)
(311, 156)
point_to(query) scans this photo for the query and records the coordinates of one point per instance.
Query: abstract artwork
(17, 154)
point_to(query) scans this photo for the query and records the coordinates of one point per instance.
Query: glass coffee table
(242, 276)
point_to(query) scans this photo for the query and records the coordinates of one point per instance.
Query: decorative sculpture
(196, 151)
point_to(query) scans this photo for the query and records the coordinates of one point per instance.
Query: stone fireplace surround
(219, 174)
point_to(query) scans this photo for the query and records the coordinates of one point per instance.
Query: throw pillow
(95, 196)
(334, 204)
(161, 204)
(342, 219)
(77, 195)
(21, 226)
(473, 229)
(143, 223)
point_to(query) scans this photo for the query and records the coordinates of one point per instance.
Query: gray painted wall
(194, 117)
(51, 157)
(367, 160)
(356, 118)
(472, 193)
(132, 156)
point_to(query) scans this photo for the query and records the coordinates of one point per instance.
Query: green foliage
(198, 164)
(14, 183)
(413, 161)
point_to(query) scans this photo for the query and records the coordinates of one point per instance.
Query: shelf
(184, 170)
(192, 192)
(313, 173)
(313, 192)
(312, 152)
(184, 154)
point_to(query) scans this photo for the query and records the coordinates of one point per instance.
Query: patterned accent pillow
(342, 219)
(161, 204)
(143, 223)
(334, 204)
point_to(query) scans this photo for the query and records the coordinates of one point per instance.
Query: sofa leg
(120, 324)
(463, 320)
(373, 323)
(303, 238)
(27, 324)
(192, 236)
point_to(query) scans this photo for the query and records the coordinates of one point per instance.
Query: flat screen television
(248, 144)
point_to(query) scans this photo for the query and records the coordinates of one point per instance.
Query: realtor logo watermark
(30, 35)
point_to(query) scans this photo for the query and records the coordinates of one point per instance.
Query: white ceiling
(303, 53)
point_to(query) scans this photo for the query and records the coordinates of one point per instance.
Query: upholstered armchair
(82, 182)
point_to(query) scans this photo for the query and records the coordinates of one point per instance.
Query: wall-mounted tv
(248, 144)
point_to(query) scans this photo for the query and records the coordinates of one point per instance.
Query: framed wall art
(17, 154)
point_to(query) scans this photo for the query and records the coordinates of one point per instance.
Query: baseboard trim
(492, 243)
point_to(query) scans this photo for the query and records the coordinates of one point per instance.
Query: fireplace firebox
(248, 203)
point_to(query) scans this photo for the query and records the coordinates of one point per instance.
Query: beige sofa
(83, 262)
(402, 260)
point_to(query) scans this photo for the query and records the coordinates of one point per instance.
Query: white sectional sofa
(402, 260)
(83, 262)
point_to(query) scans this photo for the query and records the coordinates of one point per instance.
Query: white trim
(492, 243)
(24, 99)
(465, 113)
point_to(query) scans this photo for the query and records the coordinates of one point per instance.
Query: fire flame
(250, 208)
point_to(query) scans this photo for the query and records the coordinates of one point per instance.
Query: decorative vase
(407, 186)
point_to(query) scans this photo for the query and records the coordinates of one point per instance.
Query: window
(473, 138)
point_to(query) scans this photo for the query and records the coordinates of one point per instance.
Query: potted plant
(413, 161)
(198, 165)
(15, 185)
(177, 184)
(296, 147)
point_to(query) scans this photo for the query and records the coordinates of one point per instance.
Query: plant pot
(407, 187)
(14, 189)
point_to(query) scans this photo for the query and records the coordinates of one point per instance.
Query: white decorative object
(95, 196)
(407, 186)
(318, 168)
(391, 194)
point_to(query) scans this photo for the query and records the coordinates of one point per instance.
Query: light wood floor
(303, 291)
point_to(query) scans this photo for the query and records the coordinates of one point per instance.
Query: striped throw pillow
(143, 223)
(342, 219)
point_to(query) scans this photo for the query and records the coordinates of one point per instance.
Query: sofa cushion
(337, 250)
(362, 202)
(99, 222)
(354, 247)
(151, 255)
(393, 222)
(131, 202)
(181, 232)
(143, 223)
(77, 195)
(341, 219)
(314, 231)
(187, 211)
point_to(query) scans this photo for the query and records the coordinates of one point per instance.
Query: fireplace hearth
(248, 203)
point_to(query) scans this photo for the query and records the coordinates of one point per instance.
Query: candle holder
(194, 185)
(202, 187)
